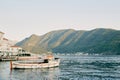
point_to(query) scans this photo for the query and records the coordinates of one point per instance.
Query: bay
(72, 67)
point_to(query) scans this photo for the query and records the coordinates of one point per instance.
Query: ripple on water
(71, 68)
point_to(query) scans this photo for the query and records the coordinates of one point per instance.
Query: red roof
(14, 46)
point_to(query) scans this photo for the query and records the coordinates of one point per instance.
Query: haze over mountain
(97, 41)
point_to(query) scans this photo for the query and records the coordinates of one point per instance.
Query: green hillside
(100, 41)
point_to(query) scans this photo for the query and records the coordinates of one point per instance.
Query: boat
(27, 56)
(8, 58)
(45, 63)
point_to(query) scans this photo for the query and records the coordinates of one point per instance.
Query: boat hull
(16, 65)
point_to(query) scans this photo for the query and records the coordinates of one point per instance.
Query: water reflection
(35, 74)
(28, 74)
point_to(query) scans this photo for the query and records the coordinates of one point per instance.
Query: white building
(15, 50)
(1, 35)
(7, 46)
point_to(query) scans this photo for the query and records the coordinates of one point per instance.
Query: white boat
(27, 56)
(47, 63)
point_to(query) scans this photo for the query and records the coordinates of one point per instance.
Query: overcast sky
(21, 18)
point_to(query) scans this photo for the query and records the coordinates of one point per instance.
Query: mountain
(100, 41)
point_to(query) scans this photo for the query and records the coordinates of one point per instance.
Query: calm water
(71, 68)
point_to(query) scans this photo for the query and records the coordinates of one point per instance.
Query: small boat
(46, 63)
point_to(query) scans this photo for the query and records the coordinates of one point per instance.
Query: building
(7, 46)
(1, 35)
(15, 50)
